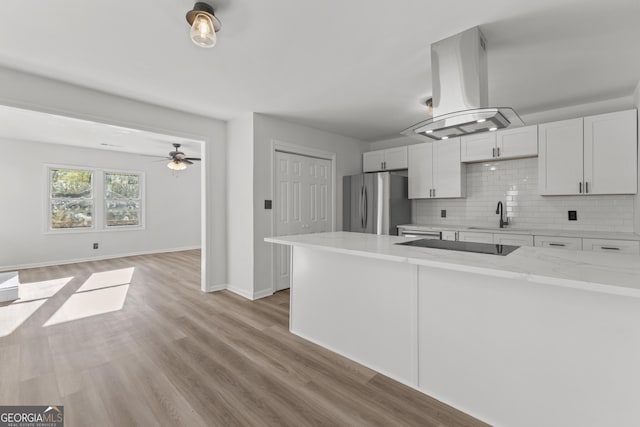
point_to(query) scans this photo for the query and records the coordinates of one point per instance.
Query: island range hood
(460, 86)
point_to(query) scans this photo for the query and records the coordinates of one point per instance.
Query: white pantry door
(302, 203)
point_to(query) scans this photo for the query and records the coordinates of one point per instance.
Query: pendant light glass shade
(203, 32)
(176, 166)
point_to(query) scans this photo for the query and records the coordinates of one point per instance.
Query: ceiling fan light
(176, 166)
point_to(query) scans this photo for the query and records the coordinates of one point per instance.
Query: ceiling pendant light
(204, 25)
(176, 166)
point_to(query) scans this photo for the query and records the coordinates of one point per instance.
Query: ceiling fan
(179, 160)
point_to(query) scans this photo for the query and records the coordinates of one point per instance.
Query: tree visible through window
(71, 198)
(122, 199)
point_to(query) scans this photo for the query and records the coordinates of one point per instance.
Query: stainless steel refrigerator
(375, 203)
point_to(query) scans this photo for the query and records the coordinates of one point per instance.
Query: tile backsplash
(515, 183)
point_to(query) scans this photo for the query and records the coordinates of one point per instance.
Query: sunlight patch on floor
(108, 278)
(14, 315)
(92, 303)
(41, 290)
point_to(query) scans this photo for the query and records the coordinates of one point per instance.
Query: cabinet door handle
(580, 185)
(434, 192)
(586, 187)
(430, 192)
(498, 151)
(557, 244)
(609, 248)
(494, 153)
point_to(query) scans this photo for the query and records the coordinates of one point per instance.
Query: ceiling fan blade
(187, 161)
(197, 159)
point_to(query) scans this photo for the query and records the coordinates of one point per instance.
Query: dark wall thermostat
(268, 204)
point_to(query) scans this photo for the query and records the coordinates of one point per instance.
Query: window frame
(141, 194)
(99, 217)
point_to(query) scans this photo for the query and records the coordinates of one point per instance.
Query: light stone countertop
(533, 232)
(617, 274)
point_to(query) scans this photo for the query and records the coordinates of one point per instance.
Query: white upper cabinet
(560, 165)
(447, 169)
(610, 153)
(395, 158)
(373, 161)
(435, 170)
(501, 145)
(517, 143)
(381, 160)
(478, 147)
(594, 155)
(421, 170)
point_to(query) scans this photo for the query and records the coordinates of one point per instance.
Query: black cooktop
(478, 248)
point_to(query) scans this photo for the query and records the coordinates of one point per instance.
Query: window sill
(94, 230)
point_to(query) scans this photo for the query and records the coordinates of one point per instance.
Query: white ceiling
(26, 125)
(357, 67)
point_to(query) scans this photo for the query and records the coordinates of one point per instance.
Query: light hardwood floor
(174, 356)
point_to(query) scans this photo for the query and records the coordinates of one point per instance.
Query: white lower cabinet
(475, 237)
(513, 239)
(616, 246)
(554, 242)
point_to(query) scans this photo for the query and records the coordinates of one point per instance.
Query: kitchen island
(537, 337)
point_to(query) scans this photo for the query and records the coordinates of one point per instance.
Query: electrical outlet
(443, 213)
(95, 246)
(573, 215)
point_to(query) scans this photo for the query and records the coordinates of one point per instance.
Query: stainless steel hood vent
(460, 86)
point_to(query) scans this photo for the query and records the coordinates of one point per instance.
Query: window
(122, 199)
(94, 199)
(70, 199)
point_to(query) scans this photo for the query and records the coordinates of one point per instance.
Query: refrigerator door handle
(366, 208)
(361, 208)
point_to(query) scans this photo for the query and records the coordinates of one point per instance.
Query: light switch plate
(573, 215)
(268, 204)
(443, 213)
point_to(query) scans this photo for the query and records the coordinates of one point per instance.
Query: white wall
(581, 110)
(240, 205)
(24, 90)
(254, 162)
(393, 142)
(172, 202)
(267, 129)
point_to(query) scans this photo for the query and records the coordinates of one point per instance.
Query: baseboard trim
(216, 288)
(96, 258)
(250, 295)
(262, 294)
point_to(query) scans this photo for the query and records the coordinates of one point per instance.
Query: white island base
(507, 350)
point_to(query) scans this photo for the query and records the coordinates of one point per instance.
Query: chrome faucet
(500, 211)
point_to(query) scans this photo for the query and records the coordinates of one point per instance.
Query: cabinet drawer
(473, 236)
(513, 239)
(574, 243)
(615, 246)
